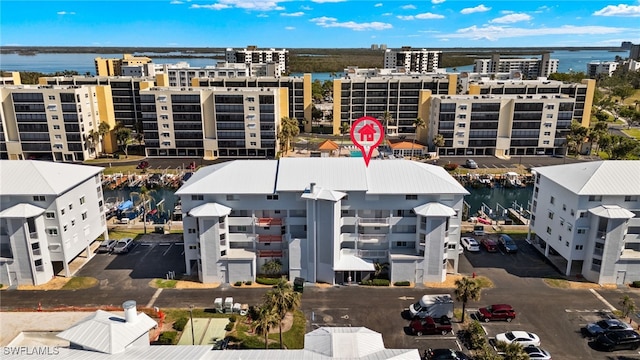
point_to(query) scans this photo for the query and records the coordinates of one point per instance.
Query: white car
(470, 244)
(523, 338)
(123, 246)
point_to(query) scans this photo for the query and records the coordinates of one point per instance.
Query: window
(462, 125)
(62, 211)
(579, 247)
(232, 197)
(84, 216)
(549, 116)
(82, 200)
(54, 117)
(197, 197)
(550, 107)
(561, 222)
(564, 207)
(583, 214)
(52, 97)
(58, 137)
(70, 206)
(50, 215)
(630, 198)
(581, 231)
(164, 108)
(569, 227)
(545, 142)
(548, 230)
(552, 200)
(272, 197)
(560, 238)
(73, 222)
(52, 231)
(550, 215)
(566, 244)
(38, 264)
(572, 212)
(252, 135)
(411, 197)
(192, 231)
(253, 143)
(56, 127)
(165, 126)
(595, 197)
(401, 244)
(38, 198)
(595, 264)
(65, 227)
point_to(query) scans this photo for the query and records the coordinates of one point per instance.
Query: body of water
(84, 63)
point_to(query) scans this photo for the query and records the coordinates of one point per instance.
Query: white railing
(373, 253)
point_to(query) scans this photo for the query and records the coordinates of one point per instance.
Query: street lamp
(193, 336)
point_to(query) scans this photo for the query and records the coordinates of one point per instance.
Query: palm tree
(386, 121)
(145, 196)
(418, 123)
(266, 320)
(380, 268)
(282, 299)
(103, 129)
(289, 129)
(92, 139)
(344, 128)
(467, 290)
(438, 141)
(512, 351)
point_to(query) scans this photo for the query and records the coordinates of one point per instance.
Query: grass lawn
(633, 132)
(80, 282)
(116, 234)
(164, 284)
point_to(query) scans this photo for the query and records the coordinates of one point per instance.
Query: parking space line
(166, 251)
(154, 297)
(605, 302)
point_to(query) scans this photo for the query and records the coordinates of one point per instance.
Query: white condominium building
(325, 219)
(596, 68)
(586, 219)
(253, 55)
(412, 60)
(49, 214)
(532, 68)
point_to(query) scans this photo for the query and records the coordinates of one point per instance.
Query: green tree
(623, 91)
(380, 269)
(512, 351)
(628, 306)
(272, 267)
(467, 290)
(387, 119)
(576, 136)
(438, 141)
(344, 129)
(289, 129)
(418, 123)
(476, 335)
(92, 139)
(282, 299)
(266, 320)
(103, 129)
(123, 136)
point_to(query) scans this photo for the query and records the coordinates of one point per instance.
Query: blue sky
(319, 23)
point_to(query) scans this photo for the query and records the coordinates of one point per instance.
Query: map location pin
(366, 133)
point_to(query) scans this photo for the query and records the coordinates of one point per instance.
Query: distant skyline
(319, 23)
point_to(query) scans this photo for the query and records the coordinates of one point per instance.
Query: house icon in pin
(367, 132)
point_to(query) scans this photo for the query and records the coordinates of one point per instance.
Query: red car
(429, 326)
(489, 244)
(496, 312)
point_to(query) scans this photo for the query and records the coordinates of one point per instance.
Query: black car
(619, 340)
(507, 243)
(445, 354)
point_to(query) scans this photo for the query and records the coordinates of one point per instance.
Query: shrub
(635, 284)
(180, 323)
(233, 318)
(381, 282)
(167, 338)
(248, 282)
(450, 167)
(238, 283)
(401, 283)
(229, 327)
(267, 281)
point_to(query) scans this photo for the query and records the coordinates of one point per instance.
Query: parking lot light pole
(193, 336)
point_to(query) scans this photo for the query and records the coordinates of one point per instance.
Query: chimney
(311, 187)
(130, 311)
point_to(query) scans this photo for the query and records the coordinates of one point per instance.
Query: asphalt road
(556, 315)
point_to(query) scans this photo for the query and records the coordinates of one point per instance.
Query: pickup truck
(430, 326)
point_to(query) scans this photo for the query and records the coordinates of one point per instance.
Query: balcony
(373, 222)
(373, 254)
(372, 239)
(601, 235)
(240, 221)
(269, 221)
(270, 253)
(241, 237)
(269, 238)
(37, 252)
(33, 235)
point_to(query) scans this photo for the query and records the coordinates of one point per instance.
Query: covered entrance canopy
(353, 263)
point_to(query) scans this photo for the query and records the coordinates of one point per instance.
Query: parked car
(489, 244)
(429, 326)
(123, 246)
(618, 340)
(469, 243)
(445, 354)
(478, 230)
(523, 338)
(507, 243)
(537, 353)
(471, 164)
(107, 246)
(496, 312)
(596, 328)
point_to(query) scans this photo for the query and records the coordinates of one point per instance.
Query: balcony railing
(372, 238)
(33, 235)
(597, 251)
(269, 238)
(376, 254)
(601, 235)
(373, 221)
(269, 221)
(40, 268)
(270, 253)
(37, 252)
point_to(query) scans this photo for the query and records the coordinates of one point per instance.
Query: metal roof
(336, 174)
(233, 177)
(324, 194)
(210, 209)
(27, 177)
(434, 209)
(106, 332)
(21, 211)
(612, 212)
(353, 263)
(609, 177)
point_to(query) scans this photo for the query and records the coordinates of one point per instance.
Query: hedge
(376, 282)
(267, 281)
(450, 167)
(167, 338)
(401, 283)
(238, 283)
(180, 323)
(635, 284)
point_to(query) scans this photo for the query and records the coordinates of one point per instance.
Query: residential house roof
(328, 145)
(33, 177)
(610, 177)
(233, 177)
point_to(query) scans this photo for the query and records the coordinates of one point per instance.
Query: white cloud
(377, 5)
(176, 2)
(409, 7)
(494, 32)
(329, 22)
(327, 1)
(295, 14)
(305, 8)
(511, 18)
(477, 9)
(437, 1)
(260, 5)
(289, 28)
(262, 15)
(66, 13)
(619, 10)
(542, 9)
(387, 14)
(423, 16)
